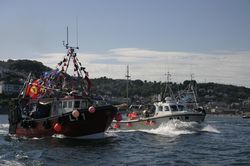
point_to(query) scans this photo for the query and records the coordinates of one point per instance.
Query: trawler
(160, 112)
(57, 103)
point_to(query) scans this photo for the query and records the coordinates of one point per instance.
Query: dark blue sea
(220, 140)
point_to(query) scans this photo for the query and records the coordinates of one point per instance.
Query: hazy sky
(208, 38)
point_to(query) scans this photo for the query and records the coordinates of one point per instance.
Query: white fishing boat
(163, 111)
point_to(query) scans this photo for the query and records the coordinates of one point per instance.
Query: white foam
(120, 131)
(4, 126)
(210, 129)
(10, 163)
(3, 132)
(174, 128)
(59, 136)
(110, 134)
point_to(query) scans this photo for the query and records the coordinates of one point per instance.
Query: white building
(9, 88)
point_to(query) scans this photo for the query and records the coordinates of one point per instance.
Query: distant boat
(57, 103)
(246, 116)
(161, 112)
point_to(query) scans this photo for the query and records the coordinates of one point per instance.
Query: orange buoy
(58, 127)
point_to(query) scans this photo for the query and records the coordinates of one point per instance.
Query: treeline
(23, 67)
(19, 69)
(206, 92)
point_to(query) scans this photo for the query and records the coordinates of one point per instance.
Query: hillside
(22, 68)
(15, 70)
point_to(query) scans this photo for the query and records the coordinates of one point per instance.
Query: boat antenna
(77, 47)
(67, 38)
(127, 76)
(67, 44)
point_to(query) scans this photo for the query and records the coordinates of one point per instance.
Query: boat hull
(156, 121)
(86, 124)
(246, 116)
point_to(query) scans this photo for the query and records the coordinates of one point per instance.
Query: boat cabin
(66, 105)
(54, 107)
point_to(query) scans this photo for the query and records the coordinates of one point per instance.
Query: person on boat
(146, 113)
(133, 115)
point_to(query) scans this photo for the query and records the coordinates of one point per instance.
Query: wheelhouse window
(160, 108)
(70, 104)
(60, 105)
(64, 104)
(77, 104)
(84, 104)
(174, 107)
(181, 107)
(166, 108)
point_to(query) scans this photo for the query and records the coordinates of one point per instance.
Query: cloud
(221, 66)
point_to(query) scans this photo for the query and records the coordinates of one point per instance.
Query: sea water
(220, 140)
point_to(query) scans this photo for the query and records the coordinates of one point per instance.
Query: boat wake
(175, 128)
(210, 129)
(4, 128)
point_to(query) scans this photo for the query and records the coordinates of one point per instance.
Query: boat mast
(168, 91)
(192, 88)
(127, 76)
(71, 52)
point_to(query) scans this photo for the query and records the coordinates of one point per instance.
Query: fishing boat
(246, 116)
(60, 104)
(160, 112)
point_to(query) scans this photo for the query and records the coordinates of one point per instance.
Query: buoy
(129, 124)
(118, 117)
(147, 123)
(132, 115)
(116, 126)
(152, 123)
(75, 114)
(58, 127)
(91, 109)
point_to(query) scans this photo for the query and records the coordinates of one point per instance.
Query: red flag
(33, 90)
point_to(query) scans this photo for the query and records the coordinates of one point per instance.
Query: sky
(207, 38)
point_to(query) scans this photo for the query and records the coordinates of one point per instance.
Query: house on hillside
(246, 105)
(8, 89)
